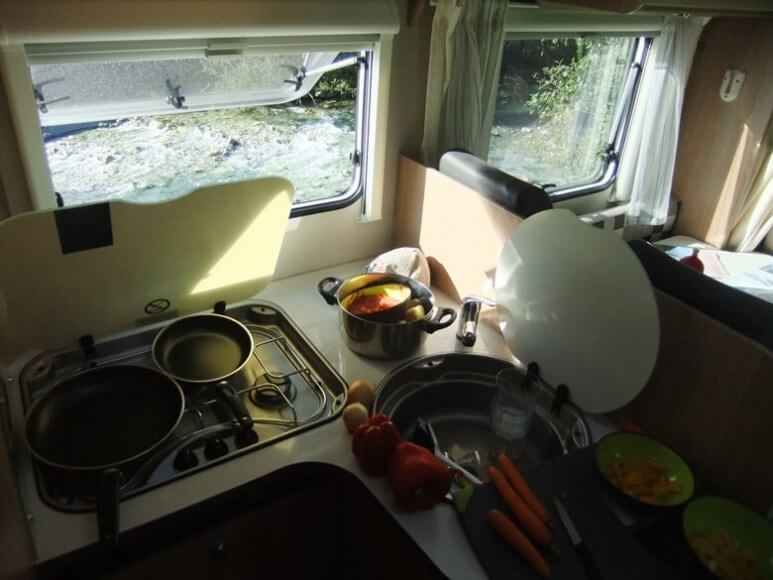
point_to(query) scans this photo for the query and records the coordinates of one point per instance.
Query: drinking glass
(511, 411)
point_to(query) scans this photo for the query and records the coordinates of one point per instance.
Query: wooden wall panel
(711, 398)
(453, 224)
(409, 197)
(719, 141)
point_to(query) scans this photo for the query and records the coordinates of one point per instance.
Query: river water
(150, 159)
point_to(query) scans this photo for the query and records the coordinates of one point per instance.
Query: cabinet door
(15, 545)
(290, 537)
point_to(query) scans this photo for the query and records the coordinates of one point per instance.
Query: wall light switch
(731, 84)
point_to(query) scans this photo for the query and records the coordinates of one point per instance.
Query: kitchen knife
(588, 561)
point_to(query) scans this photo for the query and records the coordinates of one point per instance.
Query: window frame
(366, 46)
(607, 174)
(356, 189)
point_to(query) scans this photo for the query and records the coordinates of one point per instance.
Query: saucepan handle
(109, 487)
(442, 318)
(227, 395)
(328, 287)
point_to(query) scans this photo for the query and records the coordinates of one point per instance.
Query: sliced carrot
(522, 488)
(534, 526)
(520, 544)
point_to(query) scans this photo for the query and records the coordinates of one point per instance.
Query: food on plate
(419, 479)
(361, 391)
(374, 442)
(354, 415)
(518, 483)
(645, 479)
(724, 556)
(530, 521)
(375, 298)
(520, 544)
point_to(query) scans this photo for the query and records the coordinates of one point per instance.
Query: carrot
(535, 527)
(520, 544)
(522, 488)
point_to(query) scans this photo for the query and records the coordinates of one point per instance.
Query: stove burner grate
(273, 396)
(286, 386)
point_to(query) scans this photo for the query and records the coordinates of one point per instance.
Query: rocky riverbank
(151, 159)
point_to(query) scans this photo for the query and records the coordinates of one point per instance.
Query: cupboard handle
(220, 551)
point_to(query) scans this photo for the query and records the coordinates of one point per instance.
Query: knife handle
(588, 562)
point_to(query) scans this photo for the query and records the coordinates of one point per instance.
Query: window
(150, 127)
(562, 110)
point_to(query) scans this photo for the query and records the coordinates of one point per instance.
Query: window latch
(300, 74)
(609, 154)
(40, 99)
(175, 98)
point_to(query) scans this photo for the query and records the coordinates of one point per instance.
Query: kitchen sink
(307, 520)
(453, 392)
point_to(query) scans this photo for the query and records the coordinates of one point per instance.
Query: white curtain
(465, 57)
(647, 162)
(754, 219)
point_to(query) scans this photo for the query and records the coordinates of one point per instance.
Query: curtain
(465, 57)
(647, 162)
(754, 219)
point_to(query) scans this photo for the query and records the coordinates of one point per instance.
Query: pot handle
(227, 395)
(107, 506)
(443, 318)
(328, 287)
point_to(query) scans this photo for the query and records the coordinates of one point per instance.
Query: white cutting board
(215, 243)
(577, 301)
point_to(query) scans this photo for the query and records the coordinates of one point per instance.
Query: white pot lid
(575, 300)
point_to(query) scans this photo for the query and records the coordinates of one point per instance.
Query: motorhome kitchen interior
(386, 288)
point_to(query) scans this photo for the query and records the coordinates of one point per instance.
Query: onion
(362, 391)
(355, 415)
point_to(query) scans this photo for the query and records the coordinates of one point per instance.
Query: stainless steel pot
(383, 340)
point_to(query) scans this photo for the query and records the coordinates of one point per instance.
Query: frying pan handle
(107, 506)
(227, 395)
(328, 287)
(443, 318)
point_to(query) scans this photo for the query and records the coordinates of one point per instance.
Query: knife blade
(586, 556)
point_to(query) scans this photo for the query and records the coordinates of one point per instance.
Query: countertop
(436, 531)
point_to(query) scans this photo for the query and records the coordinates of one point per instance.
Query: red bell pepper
(374, 442)
(419, 479)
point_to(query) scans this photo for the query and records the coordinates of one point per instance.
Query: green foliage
(557, 86)
(337, 85)
(562, 83)
(522, 64)
(555, 106)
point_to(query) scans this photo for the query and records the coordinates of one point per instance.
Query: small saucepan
(386, 340)
(207, 349)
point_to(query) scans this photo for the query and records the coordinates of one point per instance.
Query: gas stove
(286, 387)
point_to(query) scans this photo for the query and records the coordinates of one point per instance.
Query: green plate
(749, 530)
(629, 445)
